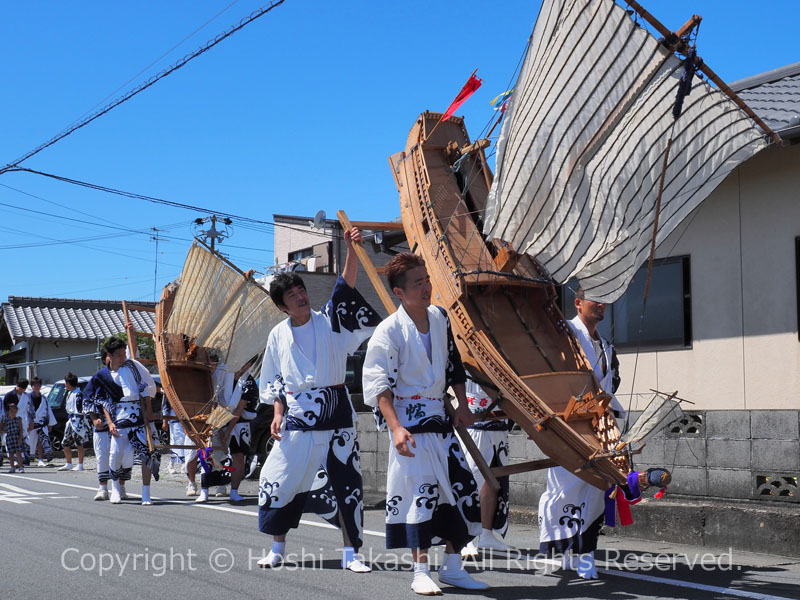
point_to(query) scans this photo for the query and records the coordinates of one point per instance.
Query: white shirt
(305, 338)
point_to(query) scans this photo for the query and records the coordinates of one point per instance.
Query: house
(323, 250)
(50, 336)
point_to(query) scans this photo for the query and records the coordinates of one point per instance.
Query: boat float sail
(593, 150)
(213, 313)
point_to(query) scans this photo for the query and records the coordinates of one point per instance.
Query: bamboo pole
(132, 350)
(388, 303)
(366, 262)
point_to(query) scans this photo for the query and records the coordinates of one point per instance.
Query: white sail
(581, 151)
(220, 310)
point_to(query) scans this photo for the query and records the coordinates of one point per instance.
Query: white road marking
(691, 585)
(613, 572)
(18, 495)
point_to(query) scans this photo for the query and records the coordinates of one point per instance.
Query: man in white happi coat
(76, 431)
(232, 439)
(491, 439)
(101, 438)
(431, 495)
(314, 464)
(571, 511)
(41, 417)
(127, 389)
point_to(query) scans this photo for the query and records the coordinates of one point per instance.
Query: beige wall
(741, 240)
(290, 237)
(50, 373)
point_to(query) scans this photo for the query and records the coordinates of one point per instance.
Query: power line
(140, 88)
(81, 245)
(152, 63)
(72, 209)
(254, 224)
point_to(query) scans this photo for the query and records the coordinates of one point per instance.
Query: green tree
(146, 345)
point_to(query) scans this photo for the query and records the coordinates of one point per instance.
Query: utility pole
(212, 235)
(155, 275)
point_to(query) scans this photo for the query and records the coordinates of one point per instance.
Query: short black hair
(35, 380)
(23, 383)
(71, 379)
(113, 345)
(397, 268)
(282, 283)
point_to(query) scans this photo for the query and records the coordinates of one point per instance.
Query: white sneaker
(490, 542)
(235, 497)
(41, 463)
(270, 561)
(461, 579)
(423, 585)
(469, 551)
(79, 467)
(115, 497)
(65, 467)
(122, 493)
(222, 491)
(356, 566)
(203, 497)
(191, 489)
(102, 494)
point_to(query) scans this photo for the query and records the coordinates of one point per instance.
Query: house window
(300, 254)
(667, 322)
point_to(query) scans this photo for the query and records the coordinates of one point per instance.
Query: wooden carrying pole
(132, 350)
(390, 307)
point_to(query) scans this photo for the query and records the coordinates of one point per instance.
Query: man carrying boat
(491, 438)
(431, 495)
(566, 495)
(314, 464)
(120, 390)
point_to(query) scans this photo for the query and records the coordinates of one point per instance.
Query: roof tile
(58, 318)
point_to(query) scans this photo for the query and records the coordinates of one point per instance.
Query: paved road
(58, 543)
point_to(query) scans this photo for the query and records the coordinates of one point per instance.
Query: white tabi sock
(422, 583)
(451, 562)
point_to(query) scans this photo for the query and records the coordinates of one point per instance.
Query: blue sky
(295, 113)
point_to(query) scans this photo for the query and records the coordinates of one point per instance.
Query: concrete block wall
(731, 454)
(727, 455)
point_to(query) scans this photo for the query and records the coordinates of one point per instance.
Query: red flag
(473, 83)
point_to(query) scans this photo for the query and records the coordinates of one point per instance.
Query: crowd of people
(435, 494)
(111, 411)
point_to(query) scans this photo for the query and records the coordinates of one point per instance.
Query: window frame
(686, 293)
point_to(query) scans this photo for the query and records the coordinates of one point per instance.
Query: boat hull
(502, 306)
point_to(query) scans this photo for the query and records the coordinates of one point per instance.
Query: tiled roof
(60, 318)
(775, 97)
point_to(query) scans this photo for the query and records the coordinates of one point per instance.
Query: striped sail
(581, 152)
(220, 310)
